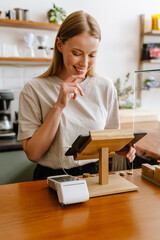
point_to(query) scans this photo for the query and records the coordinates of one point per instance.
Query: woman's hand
(130, 155)
(68, 88)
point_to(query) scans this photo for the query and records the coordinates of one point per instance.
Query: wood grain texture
(28, 24)
(104, 142)
(18, 59)
(114, 139)
(103, 165)
(31, 211)
(115, 184)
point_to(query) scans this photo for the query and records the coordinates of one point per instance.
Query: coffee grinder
(6, 130)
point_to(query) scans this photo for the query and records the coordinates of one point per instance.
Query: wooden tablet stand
(101, 145)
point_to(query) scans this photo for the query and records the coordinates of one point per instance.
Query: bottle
(26, 15)
(156, 22)
(19, 14)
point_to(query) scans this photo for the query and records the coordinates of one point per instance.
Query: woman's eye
(76, 54)
(92, 56)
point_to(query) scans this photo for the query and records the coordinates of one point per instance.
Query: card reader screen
(66, 178)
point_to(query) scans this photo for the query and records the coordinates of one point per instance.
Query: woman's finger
(74, 78)
(80, 90)
(131, 154)
(75, 94)
(71, 87)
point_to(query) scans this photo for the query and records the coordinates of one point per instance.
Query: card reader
(69, 189)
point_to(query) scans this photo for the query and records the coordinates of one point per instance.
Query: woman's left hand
(131, 154)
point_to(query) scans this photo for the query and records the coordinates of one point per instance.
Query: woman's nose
(84, 61)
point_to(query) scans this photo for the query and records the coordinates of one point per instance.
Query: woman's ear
(59, 44)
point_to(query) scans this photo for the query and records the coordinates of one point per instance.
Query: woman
(67, 100)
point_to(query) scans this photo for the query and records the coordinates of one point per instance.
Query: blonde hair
(76, 23)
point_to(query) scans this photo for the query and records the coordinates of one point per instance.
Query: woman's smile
(80, 71)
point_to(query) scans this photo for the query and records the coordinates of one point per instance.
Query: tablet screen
(66, 178)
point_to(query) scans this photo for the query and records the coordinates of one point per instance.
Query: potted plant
(124, 92)
(56, 14)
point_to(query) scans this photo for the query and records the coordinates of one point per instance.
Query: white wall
(119, 21)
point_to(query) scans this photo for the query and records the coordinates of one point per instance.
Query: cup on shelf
(42, 40)
(26, 16)
(8, 50)
(50, 52)
(29, 40)
(19, 13)
(41, 51)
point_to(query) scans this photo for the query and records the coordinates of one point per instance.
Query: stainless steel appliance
(6, 130)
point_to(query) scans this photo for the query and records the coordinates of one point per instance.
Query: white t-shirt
(96, 110)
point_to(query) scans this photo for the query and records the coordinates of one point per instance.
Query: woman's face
(79, 54)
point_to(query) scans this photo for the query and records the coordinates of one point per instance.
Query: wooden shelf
(16, 60)
(142, 35)
(28, 24)
(152, 61)
(154, 33)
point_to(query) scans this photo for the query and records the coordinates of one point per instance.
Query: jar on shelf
(156, 22)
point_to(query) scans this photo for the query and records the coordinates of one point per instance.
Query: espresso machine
(6, 129)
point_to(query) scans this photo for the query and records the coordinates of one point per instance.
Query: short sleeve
(29, 116)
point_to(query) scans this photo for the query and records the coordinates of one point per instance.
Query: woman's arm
(41, 140)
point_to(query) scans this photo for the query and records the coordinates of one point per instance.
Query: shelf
(141, 42)
(154, 61)
(28, 61)
(28, 24)
(154, 33)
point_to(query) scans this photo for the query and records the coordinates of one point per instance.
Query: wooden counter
(31, 211)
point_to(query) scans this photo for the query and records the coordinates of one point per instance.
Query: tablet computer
(137, 137)
(82, 139)
(78, 143)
